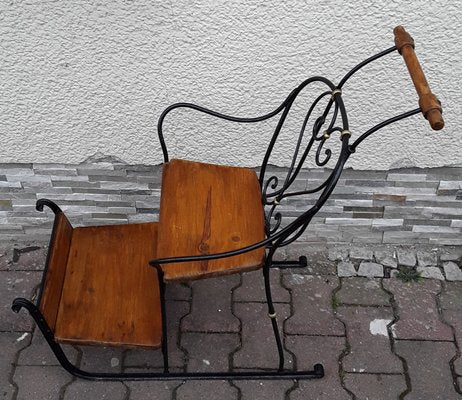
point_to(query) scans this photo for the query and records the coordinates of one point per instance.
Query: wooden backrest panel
(55, 269)
(209, 209)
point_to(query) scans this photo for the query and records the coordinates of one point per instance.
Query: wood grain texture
(55, 269)
(431, 107)
(110, 294)
(208, 209)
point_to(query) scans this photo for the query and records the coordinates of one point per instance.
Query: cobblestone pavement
(378, 338)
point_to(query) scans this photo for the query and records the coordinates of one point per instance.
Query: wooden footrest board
(110, 295)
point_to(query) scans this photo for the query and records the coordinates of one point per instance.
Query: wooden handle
(429, 104)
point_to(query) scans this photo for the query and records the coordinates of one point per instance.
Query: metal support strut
(272, 313)
(301, 263)
(18, 303)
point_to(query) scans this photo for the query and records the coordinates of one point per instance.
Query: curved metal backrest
(274, 189)
(315, 131)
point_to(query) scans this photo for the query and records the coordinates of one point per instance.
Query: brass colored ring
(345, 132)
(273, 315)
(335, 91)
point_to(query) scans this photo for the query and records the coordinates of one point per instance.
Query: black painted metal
(164, 344)
(272, 194)
(48, 334)
(271, 311)
(301, 263)
(364, 63)
(56, 210)
(18, 303)
(322, 129)
(45, 202)
(381, 125)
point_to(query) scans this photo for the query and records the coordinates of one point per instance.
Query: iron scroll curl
(331, 122)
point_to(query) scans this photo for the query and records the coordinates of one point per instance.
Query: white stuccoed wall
(82, 77)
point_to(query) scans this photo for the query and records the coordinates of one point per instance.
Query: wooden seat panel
(207, 209)
(110, 294)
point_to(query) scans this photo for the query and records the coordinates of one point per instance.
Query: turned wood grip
(428, 102)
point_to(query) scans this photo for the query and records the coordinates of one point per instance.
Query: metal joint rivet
(336, 91)
(273, 315)
(276, 202)
(345, 132)
(326, 135)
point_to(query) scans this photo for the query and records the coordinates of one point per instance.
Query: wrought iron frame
(276, 236)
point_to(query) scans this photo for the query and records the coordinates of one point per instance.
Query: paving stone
(253, 287)
(215, 390)
(417, 310)
(370, 269)
(6, 256)
(150, 390)
(10, 344)
(451, 255)
(312, 306)
(318, 263)
(454, 318)
(280, 254)
(386, 257)
(346, 269)
(428, 368)
(452, 271)
(406, 257)
(80, 389)
(30, 258)
(209, 352)
(394, 273)
(451, 303)
(39, 352)
(258, 348)
(311, 350)
(271, 390)
(375, 386)
(145, 358)
(338, 253)
(367, 334)
(451, 296)
(40, 382)
(361, 253)
(430, 272)
(427, 258)
(16, 284)
(177, 291)
(101, 359)
(211, 306)
(362, 291)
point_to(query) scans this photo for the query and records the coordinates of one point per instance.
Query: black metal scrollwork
(272, 195)
(278, 235)
(275, 189)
